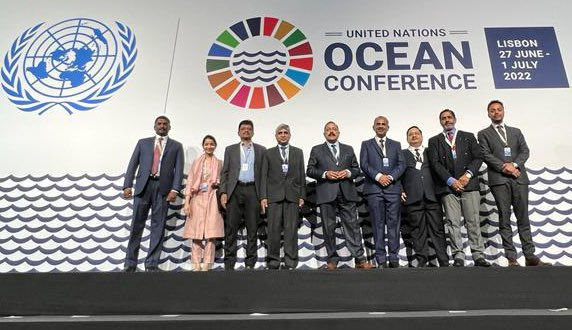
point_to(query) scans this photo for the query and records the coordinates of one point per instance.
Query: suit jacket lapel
(378, 148)
(328, 151)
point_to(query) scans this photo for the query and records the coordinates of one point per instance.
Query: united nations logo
(259, 63)
(72, 65)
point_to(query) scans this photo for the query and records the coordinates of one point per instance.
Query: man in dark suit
(505, 151)
(334, 166)
(239, 189)
(159, 163)
(383, 164)
(424, 214)
(455, 158)
(282, 193)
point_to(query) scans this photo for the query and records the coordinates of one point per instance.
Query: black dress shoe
(249, 267)
(459, 262)
(394, 264)
(481, 262)
(286, 267)
(535, 261)
(152, 269)
(129, 269)
(382, 265)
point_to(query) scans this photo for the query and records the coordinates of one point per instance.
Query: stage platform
(471, 298)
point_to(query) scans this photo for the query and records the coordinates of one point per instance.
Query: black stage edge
(302, 291)
(477, 320)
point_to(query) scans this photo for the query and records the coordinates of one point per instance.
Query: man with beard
(334, 166)
(505, 152)
(159, 163)
(455, 159)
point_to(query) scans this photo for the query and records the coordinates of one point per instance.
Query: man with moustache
(505, 152)
(334, 166)
(282, 193)
(383, 164)
(239, 189)
(455, 158)
(159, 163)
(424, 214)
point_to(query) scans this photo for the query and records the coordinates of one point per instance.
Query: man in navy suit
(505, 152)
(334, 166)
(455, 158)
(159, 163)
(424, 215)
(383, 164)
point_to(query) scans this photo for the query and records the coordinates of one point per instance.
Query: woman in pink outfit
(204, 222)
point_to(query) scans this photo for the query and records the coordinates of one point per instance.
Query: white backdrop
(173, 39)
(101, 140)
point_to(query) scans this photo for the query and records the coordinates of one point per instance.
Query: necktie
(283, 151)
(382, 146)
(450, 136)
(157, 156)
(418, 156)
(501, 132)
(335, 152)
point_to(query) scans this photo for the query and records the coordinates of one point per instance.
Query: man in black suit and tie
(383, 164)
(505, 151)
(455, 158)
(424, 214)
(239, 189)
(334, 166)
(159, 163)
(282, 193)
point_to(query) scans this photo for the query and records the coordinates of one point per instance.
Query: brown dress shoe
(513, 263)
(535, 261)
(363, 265)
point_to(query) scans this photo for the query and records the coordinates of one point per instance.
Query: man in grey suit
(239, 189)
(505, 151)
(282, 193)
(159, 163)
(383, 164)
(334, 166)
(455, 158)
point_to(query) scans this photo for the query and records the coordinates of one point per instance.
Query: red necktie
(157, 157)
(450, 136)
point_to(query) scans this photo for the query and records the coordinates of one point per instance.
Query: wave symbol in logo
(72, 65)
(259, 63)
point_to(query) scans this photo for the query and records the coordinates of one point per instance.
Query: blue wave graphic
(56, 187)
(48, 251)
(63, 177)
(553, 171)
(67, 198)
(260, 61)
(63, 218)
(72, 207)
(49, 232)
(545, 181)
(550, 211)
(257, 70)
(247, 54)
(257, 78)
